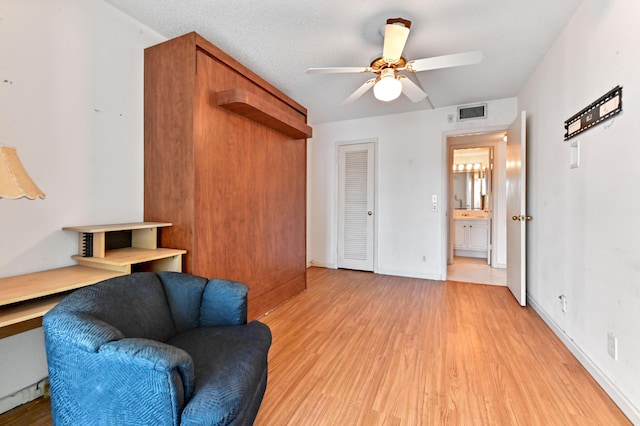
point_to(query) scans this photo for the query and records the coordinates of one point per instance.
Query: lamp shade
(14, 179)
(388, 86)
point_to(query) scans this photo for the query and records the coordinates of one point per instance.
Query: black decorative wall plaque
(605, 107)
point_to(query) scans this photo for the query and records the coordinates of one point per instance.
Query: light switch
(574, 154)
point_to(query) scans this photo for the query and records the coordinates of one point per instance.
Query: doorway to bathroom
(476, 224)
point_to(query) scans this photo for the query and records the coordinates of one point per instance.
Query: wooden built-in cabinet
(24, 299)
(225, 162)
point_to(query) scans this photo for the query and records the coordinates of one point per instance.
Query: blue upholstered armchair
(162, 348)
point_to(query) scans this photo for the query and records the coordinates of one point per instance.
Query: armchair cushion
(229, 369)
(224, 303)
(184, 293)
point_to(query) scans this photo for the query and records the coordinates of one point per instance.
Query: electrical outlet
(424, 259)
(612, 345)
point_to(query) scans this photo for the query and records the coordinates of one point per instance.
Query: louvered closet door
(355, 206)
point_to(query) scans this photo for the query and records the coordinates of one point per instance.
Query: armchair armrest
(224, 303)
(79, 329)
(153, 355)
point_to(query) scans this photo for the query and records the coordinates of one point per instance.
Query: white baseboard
(409, 274)
(23, 396)
(321, 264)
(627, 407)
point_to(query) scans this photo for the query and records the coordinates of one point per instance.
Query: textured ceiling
(280, 39)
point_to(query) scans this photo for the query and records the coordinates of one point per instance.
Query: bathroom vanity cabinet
(471, 237)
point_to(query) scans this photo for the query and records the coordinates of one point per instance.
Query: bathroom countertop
(470, 214)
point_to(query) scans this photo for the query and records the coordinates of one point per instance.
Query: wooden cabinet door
(250, 203)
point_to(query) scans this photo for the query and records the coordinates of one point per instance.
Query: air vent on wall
(470, 112)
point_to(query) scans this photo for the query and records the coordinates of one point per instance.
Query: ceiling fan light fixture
(388, 87)
(389, 82)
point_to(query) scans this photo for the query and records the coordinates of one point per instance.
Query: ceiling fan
(388, 83)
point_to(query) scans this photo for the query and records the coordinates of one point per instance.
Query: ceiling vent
(472, 112)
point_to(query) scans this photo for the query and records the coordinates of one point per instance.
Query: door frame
(447, 161)
(337, 146)
(453, 145)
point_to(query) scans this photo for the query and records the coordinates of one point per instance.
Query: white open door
(355, 206)
(516, 208)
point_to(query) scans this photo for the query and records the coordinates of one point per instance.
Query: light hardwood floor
(358, 348)
(364, 349)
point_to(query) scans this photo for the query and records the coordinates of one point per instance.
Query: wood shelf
(143, 235)
(24, 299)
(121, 260)
(261, 110)
(117, 227)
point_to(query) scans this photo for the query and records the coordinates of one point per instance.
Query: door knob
(370, 213)
(515, 217)
(521, 217)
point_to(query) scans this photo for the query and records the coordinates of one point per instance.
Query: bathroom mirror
(469, 190)
(471, 170)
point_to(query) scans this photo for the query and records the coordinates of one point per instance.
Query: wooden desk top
(21, 288)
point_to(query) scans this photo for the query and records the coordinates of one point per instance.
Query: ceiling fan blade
(396, 33)
(411, 90)
(360, 90)
(446, 61)
(338, 70)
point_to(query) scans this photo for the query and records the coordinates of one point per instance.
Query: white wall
(411, 167)
(72, 105)
(582, 239)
